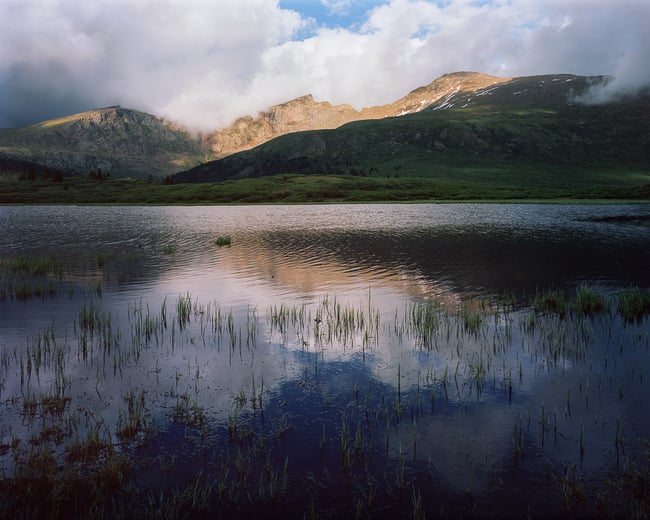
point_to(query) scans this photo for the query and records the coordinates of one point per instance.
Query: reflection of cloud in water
(464, 448)
(303, 270)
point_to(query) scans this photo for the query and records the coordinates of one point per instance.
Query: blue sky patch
(334, 13)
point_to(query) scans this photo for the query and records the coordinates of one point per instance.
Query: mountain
(126, 142)
(304, 113)
(464, 122)
(470, 127)
(116, 140)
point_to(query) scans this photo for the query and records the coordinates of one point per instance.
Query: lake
(348, 360)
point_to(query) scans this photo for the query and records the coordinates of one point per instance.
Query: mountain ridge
(296, 136)
(127, 142)
(304, 113)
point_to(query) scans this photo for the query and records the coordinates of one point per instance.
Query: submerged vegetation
(133, 415)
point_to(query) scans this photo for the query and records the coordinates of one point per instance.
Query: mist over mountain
(204, 64)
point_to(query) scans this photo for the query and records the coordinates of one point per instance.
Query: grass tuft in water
(223, 240)
(168, 249)
(588, 301)
(634, 303)
(550, 301)
(34, 265)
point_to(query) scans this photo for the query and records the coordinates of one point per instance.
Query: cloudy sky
(204, 63)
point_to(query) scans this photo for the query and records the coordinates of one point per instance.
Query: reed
(188, 411)
(588, 301)
(183, 310)
(132, 424)
(153, 372)
(90, 449)
(471, 319)
(550, 301)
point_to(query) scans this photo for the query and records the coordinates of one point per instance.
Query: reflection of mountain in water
(429, 261)
(304, 252)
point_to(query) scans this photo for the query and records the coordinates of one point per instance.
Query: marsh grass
(634, 303)
(133, 424)
(34, 265)
(90, 449)
(369, 440)
(184, 310)
(25, 277)
(28, 277)
(589, 301)
(628, 494)
(189, 412)
(550, 301)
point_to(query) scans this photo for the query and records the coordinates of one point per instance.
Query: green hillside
(526, 133)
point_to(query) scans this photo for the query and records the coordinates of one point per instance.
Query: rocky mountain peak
(442, 89)
(302, 113)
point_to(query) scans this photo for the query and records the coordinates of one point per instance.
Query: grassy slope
(444, 144)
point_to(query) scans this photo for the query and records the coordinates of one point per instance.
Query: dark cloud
(29, 94)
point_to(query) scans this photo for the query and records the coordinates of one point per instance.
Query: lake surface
(369, 358)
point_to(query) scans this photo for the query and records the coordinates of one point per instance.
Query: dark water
(494, 420)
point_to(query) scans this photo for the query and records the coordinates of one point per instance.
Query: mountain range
(464, 122)
(127, 142)
(304, 113)
(469, 127)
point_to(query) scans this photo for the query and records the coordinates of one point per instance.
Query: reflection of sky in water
(370, 258)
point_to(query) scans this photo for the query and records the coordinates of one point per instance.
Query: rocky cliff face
(305, 113)
(297, 115)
